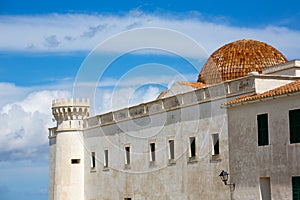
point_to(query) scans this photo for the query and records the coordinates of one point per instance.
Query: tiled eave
(283, 91)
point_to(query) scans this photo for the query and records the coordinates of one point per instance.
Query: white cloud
(25, 113)
(133, 89)
(9, 93)
(25, 123)
(77, 32)
(26, 116)
(112, 100)
(151, 94)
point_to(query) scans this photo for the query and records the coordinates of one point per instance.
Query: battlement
(70, 113)
(70, 102)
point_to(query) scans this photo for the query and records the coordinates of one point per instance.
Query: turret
(70, 114)
(66, 179)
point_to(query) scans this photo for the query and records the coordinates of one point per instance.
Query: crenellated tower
(70, 114)
(67, 149)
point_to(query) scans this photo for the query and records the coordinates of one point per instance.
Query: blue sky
(43, 44)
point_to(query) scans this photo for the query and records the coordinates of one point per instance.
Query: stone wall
(180, 179)
(249, 162)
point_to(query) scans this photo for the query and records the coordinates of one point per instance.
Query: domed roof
(237, 59)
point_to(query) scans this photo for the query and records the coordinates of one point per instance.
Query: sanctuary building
(242, 118)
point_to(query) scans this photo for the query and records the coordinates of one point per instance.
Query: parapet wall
(219, 91)
(71, 102)
(70, 114)
(228, 89)
(276, 69)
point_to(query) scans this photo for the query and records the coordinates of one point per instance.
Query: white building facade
(176, 146)
(264, 144)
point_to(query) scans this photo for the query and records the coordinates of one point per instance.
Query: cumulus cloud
(26, 115)
(25, 123)
(82, 32)
(25, 112)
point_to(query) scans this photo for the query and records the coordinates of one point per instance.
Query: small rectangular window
(215, 144)
(93, 160)
(192, 149)
(294, 120)
(262, 127)
(127, 198)
(127, 155)
(75, 161)
(296, 187)
(105, 161)
(152, 152)
(171, 150)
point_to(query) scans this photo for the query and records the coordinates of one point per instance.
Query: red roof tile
(193, 84)
(237, 59)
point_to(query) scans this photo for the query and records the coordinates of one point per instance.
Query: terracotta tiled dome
(237, 59)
